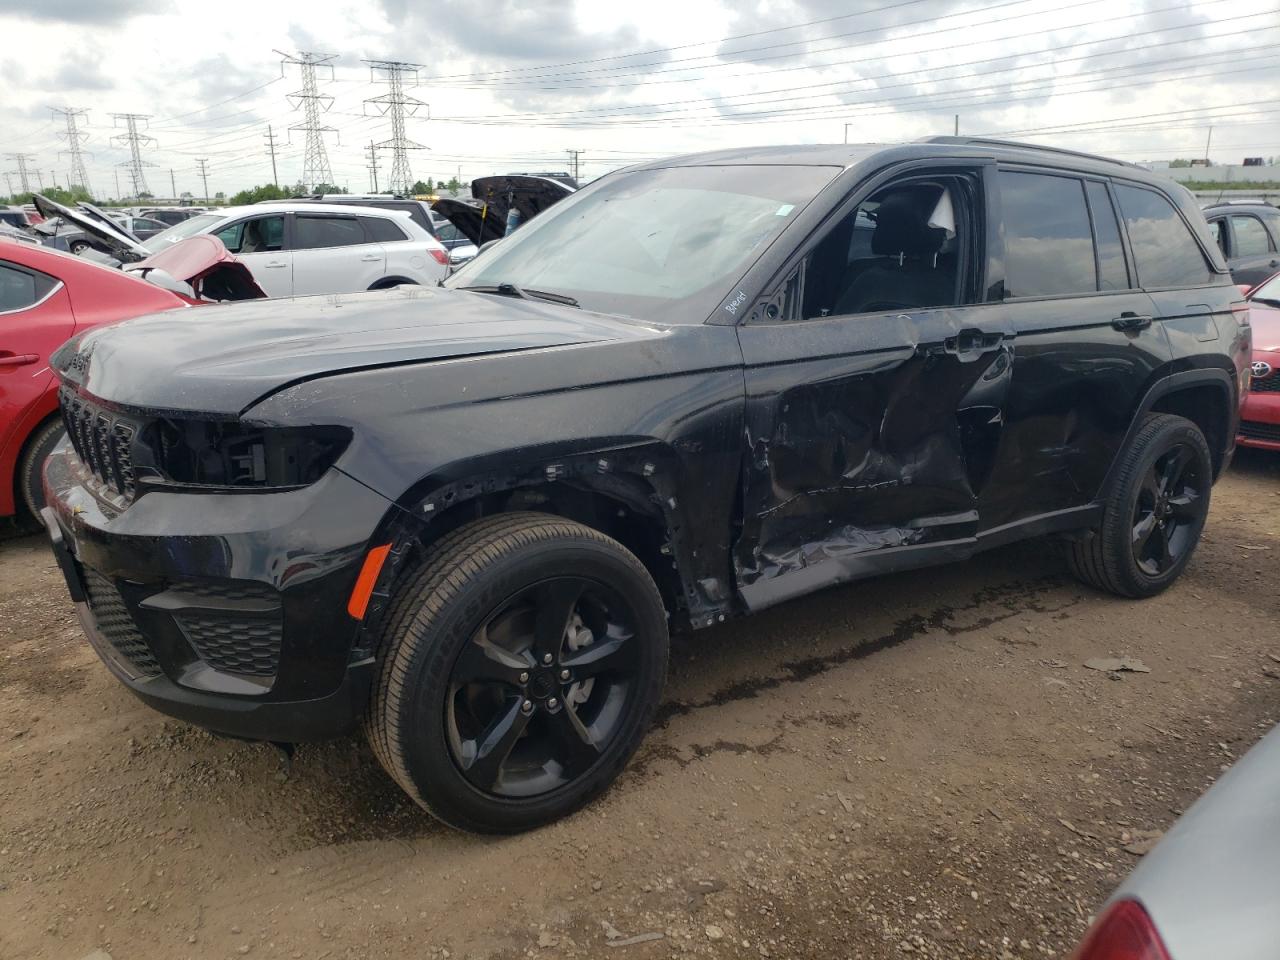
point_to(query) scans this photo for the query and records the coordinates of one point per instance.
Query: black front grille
(1270, 385)
(116, 624)
(102, 440)
(234, 626)
(1252, 430)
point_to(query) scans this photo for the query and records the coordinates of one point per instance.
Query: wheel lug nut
(524, 677)
(546, 658)
(564, 674)
(527, 706)
(552, 703)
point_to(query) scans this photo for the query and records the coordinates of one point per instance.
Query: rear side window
(382, 230)
(20, 288)
(311, 233)
(1164, 250)
(1250, 235)
(1219, 230)
(1112, 272)
(1047, 239)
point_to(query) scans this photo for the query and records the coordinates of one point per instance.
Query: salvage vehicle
(1248, 233)
(500, 204)
(1260, 416)
(467, 517)
(418, 211)
(45, 297)
(1209, 888)
(298, 249)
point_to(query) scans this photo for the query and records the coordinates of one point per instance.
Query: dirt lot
(916, 766)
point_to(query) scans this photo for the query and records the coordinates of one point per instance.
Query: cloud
(78, 12)
(81, 74)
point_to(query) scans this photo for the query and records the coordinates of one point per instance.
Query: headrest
(902, 225)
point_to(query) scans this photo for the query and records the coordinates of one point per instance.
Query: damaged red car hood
(197, 258)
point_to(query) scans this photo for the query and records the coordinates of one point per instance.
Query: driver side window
(903, 248)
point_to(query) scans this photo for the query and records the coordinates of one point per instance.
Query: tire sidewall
(427, 759)
(31, 480)
(1183, 432)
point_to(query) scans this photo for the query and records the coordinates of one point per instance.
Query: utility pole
(396, 104)
(40, 179)
(271, 145)
(204, 175)
(78, 177)
(315, 163)
(135, 140)
(24, 178)
(173, 184)
(373, 164)
(957, 129)
(117, 173)
(846, 132)
(574, 156)
(1208, 140)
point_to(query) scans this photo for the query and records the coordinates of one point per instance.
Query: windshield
(187, 228)
(1269, 291)
(653, 244)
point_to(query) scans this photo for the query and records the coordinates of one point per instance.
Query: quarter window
(313, 233)
(1112, 272)
(1251, 236)
(1047, 240)
(20, 289)
(1164, 249)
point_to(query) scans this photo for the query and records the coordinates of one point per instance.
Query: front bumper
(1260, 415)
(224, 610)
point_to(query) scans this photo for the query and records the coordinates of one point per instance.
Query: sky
(512, 85)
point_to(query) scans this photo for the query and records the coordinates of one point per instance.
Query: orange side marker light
(373, 562)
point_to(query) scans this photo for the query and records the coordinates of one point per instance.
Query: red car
(1260, 416)
(45, 297)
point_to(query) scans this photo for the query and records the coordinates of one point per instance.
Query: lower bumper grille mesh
(116, 624)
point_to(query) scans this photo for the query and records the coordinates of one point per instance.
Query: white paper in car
(944, 215)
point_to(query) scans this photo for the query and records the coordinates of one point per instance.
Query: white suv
(299, 249)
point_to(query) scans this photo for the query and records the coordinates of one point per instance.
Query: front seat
(253, 242)
(909, 276)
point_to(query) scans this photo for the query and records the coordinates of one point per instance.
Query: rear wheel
(1154, 514)
(520, 667)
(30, 482)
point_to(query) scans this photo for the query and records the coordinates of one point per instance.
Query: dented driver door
(868, 441)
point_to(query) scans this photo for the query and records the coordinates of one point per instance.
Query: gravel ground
(917, 766)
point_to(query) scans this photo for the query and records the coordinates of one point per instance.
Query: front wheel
(520, 668)
(31, 466)
(1154, 514)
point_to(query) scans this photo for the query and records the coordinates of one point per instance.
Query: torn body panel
(872, 433)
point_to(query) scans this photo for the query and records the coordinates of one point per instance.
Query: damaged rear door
(875, 383)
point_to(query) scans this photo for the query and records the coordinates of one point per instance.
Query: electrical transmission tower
(135, 140)
(315, 164)
(74, 137)
(396, 104)
(20, 160)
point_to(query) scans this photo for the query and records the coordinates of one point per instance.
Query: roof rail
(1237, 202)
(1018, 144)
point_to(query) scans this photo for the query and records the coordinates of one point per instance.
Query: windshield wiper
(522, 293)
(1269, 301)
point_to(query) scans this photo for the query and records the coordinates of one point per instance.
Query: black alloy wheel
(541, 689)
(1168, 511)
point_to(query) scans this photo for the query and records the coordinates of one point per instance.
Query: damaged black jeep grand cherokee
(466, 518)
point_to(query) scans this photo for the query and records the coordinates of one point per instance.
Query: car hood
(1265, 321)
(196, 259)
(222, 359)
(484, 218)
(89, 219)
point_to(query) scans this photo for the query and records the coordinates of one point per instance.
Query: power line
(315, 164)
(397, 105)
(79, 176)
(135, 140)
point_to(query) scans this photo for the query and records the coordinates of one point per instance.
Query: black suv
(1249, 236)
(467, 517)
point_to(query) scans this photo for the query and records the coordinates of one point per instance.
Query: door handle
(275, 266)
(370, 259)
(968, 344)
(1131, 321)
(18, 360)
